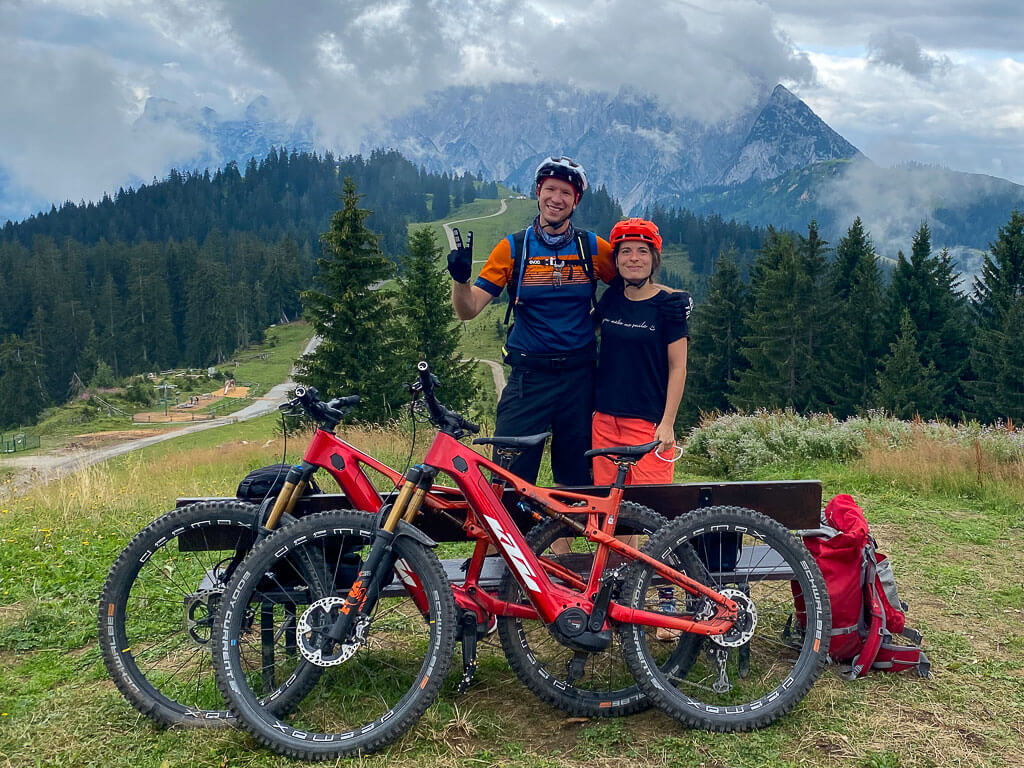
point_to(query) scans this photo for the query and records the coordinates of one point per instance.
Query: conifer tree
(926, 286)
(856, 344)
(998, 308)
(22, 392)
(717, 330)
(358, 353)
(906, 386)
(787, 327)
(431, 330)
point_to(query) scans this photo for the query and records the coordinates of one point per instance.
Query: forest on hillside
(182, 271)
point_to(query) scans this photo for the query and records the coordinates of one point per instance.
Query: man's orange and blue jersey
(553, 301)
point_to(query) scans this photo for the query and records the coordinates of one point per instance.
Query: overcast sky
(937, 82)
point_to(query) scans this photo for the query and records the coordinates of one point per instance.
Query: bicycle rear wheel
(579, 683)
(157, 606)
(758, 670)
(377, 682)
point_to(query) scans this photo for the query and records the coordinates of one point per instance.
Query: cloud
(970, 119)
(79, 71)
(904, 51)
(350, 63)
(65, 128)
(943, 25)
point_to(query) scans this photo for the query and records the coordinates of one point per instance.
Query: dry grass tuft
(929, 464)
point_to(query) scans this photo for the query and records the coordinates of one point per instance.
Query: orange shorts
(608, 431)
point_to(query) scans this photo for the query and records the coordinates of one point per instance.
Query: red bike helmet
(636, 229)
(564, 168)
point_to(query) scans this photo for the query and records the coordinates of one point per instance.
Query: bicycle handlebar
(443, 418)
(329, 414)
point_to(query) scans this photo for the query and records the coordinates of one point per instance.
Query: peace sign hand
(460, 258)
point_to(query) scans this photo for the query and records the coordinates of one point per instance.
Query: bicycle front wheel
(374, 684)
(760, 669)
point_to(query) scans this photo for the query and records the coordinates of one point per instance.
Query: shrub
(735, 445)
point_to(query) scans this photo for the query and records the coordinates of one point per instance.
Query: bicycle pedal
(574, 668)
(468, 672)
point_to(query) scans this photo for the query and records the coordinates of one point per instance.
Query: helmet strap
(555, 224)
(636, 283)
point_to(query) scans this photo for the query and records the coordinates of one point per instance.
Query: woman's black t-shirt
(632, 371)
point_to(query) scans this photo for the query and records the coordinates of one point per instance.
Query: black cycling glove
(677, 306)
(460, 258)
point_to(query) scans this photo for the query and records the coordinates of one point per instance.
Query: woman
(642, 365)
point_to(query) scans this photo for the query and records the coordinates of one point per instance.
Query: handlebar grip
(344, 402)
(426, 377)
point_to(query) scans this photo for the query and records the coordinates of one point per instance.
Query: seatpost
(620, 477)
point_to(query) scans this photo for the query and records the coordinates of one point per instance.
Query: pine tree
(856, 346)
(717, 330)
(998, 308)
(906, 386)
(926, 286)
(431, 330)
(787, 325)
(22, 391)
(357, 354)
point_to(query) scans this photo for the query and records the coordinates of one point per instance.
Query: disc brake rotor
(746, 622)
(200, 608)
(312, 625)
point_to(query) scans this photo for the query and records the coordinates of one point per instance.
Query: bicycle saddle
(529, 441)
(624, 451)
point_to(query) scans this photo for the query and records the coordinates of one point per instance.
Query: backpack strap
(518, 243)
(587, 259)
(895, 658)
(876, 631)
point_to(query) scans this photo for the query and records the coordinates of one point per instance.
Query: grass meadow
(947, 512)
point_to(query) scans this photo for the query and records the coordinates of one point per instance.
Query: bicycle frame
(345, 462)
(490, 523)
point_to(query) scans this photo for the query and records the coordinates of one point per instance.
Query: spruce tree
(856, 345)
(431, 331)
(717, 330)
(906, 386)
(358, 353)
(926, 286)
(998, 308)
(22, 391)
(787, 327)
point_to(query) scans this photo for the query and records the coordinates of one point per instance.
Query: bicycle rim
(156, 611)
(759, 670)
(360, 702)
(601, 684)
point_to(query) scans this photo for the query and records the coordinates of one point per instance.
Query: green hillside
(947, 514)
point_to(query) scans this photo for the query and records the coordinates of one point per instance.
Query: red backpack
(867, 612)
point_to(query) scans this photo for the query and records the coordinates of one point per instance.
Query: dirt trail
(40, 468)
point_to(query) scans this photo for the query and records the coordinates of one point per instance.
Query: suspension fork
(295, 484)
(362, 595)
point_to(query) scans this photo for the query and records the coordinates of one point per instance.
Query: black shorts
(557, 399)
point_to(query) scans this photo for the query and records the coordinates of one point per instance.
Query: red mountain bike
(157, 606)
(382, 642)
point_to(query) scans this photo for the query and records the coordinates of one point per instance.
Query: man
(549, 270)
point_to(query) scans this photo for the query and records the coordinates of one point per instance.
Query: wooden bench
(794, 503)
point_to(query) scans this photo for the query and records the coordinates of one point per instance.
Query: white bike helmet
(564, 168)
